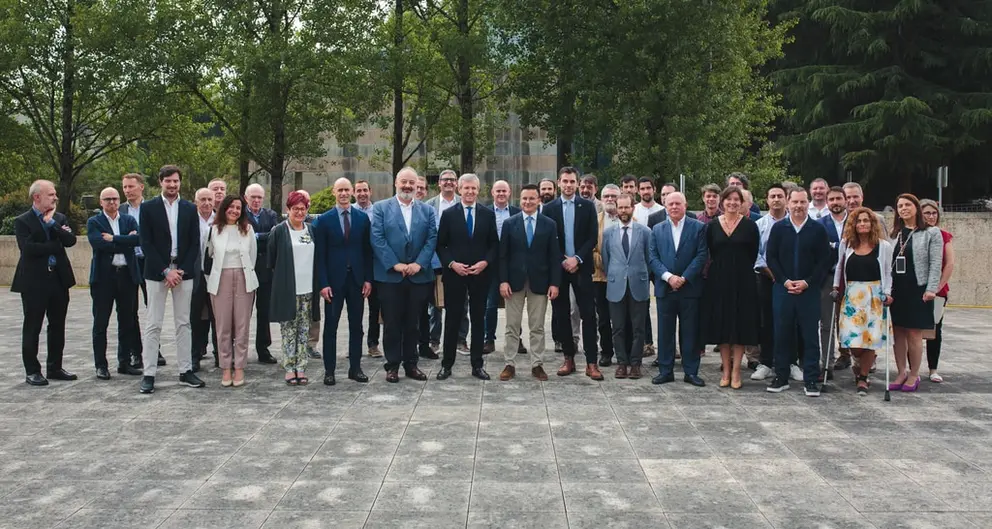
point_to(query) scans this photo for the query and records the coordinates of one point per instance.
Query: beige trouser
(537, 307)
(232, 315)
(313, 335)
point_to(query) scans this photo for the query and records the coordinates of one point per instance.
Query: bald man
(262, 221)
(201, 314)
(504, 210)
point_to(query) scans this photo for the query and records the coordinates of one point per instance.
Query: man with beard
(834, 223)
(818, 204)
(587, 190)
(628, 185)
(421, 188)
(775, 199)
(646, 206)
(547, 189)
(430, 340)
(607, 219)
(711, 203)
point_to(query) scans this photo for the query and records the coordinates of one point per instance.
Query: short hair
(795, 190)
(366, 182)
(221, 180)
(446, 171)
(745, 181)
(36, 188)
(645, 179)
(835, 189)
(628, 178)
(468, 177)
(776, 185)
(134, 176)
(297, 197)
(196, 195)
(731, 190)
(609, 187)
(568, 169)
(627, 196)
(675, 194)
(710, 188)
(220, 219)
(853, 185)
(748, 196)
(168, 170)
(819, 181)
(253, 186)
(530, 187)
(590, 179)
(409, 169)
(927, 202)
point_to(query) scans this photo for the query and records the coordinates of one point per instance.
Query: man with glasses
(607, 219)
(430, 340)
(262, 221)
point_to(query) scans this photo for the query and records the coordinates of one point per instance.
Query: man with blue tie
(467, 244)
(626, 262)
(404, 236)
(344, 276)
(114, 279)
(678, 255)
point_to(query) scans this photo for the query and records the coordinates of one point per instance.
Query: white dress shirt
(204, 234)
(818, 213)
(119, 260)
(642, 212)
(407, 211)
(839, 226)
(443, 204)
(172, 212)
(800, 227)
(676, 238)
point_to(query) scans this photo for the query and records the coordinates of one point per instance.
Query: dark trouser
(767, 330)
(476, 289)
(603, 315)
(424, 323)
(628, 309)
(263, 300)
(200, 327)
(648, 333)
(351, 295)
(685, 310)
(581, 284)
(373, 318)
(120, 290)
(52, 301)
(401, 302)
(492, 309)
(792, 311)
(933, 346)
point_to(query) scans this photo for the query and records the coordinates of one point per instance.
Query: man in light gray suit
(626, 255)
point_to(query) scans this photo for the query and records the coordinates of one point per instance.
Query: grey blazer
(928, 256)
(627, 271)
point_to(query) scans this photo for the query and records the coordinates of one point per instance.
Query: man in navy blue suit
(834, 224)
(344, 276)
(114, 279)
(404, 235)
(678, 254)
(262, 221)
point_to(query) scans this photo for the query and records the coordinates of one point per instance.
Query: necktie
(530, 231)
(625, 242)
(568, 215)
(347, 225)
(469, 222)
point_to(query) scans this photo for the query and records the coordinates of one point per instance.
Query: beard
(406, 196)
(547, 198)
(610, 209)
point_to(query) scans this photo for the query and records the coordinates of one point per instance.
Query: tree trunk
(398, 146)
(465, 97)
(66, 149)
(244, 156)
(278, 165)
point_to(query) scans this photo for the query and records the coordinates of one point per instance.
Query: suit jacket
(834, 238)
(392, 244)
(335, 255)
(101, 264)
(156, 239)
(455, 245)
(627, 271)
(660, 216)
(267, 219)
(688, 261)
(798, 256)
(585, 231)
(35, 246)
(539, 265)
(247, 250)
(435, 202)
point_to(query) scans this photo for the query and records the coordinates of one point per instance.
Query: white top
(818, 213)
(641, 212)
(221, 246)
(764, 229)
(232, 257)
(799, 227)
(501, 215)
(839, 226)
(205, 226)
(115, 227)
(676, 237)
(303, 253)
(407, 211)
(172, 212)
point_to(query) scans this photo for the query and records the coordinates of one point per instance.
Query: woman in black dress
(730, 311)
(916, 261)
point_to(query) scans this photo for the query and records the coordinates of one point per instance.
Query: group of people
(818, 271)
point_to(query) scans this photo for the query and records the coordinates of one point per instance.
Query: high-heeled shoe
(736, 385)
(906, 388)
(724, 382)
(896, 386)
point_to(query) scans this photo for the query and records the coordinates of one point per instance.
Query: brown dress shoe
(488, 348)
(635, 372)
(621, 372)
(415, 374)
(507, 373)
(567, 368)
(593, 372)
(539, 373)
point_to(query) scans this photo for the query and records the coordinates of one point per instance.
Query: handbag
(208, 258)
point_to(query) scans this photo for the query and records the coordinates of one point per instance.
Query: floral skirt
(862, 319)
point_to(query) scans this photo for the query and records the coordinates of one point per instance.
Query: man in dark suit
(170, 240)
(262, 221)
(577, 236)
(201, 314)
(798, 255)
(467, 244)
(404, 235)
(678, 254)
(344, 275)
(503, 210)
(834, 224)
(133, 185)
(114, 279)
(43, 278)
(529, 271)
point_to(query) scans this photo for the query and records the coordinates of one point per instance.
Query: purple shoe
(895, 386)
(909, 389)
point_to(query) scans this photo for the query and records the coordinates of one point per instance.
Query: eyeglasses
(110, 199)
(298, 209)
(930, 213)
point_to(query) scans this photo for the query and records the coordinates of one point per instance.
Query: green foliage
(21, 159)
(322, 201)
(14, 203)
(7, 226)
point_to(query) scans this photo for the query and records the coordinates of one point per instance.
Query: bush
(7, 226)
(322, 201)
(14, 203)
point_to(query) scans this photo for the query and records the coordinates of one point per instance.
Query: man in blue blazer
(798, 255)
(626, 263)
(170, 240)
(114, 279)
(834, 224)
(262, 221)
(404, 236)
(678, 255)
(344, 276)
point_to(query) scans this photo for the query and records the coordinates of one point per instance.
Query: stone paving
(461, 453)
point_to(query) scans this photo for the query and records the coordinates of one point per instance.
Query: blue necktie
(469, 223)
(568, 215)
(530, 231)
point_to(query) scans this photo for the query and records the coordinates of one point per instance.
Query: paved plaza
(461, 453)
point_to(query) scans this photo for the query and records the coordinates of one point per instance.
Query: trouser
(313, 335)
(295, 335)
(628, 353)
(794, 311)
(232, 316)
(603, 319)
(350, 295)
(157, 293)
(200, 327)
(492, 309)
(138, 346)
(437, 316)
(681, 313)
(373, 338)
(51, 301)
(459, 292)
(263, 335)
(933, 346)
(537, 308)
(572, 317)
(581, 284)
(118, 289)
(399, 332)
(767, 331)
(827, 310)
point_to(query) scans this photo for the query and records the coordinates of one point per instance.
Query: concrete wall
(971, 283)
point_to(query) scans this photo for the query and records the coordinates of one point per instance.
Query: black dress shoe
(480, 373)
(358, 376)
(444, 373)
(428, 354)
(129, 370)
(35, 379)
(102, 373)
(147, 385)
(161, 359)
(663, 379)
(694, 380)
(393, 376)
(414, 373)
(265, 358)
(655, 363)
(605, 361)
(61, 374)
(329, 380)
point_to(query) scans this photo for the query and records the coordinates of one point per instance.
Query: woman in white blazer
(231, 282)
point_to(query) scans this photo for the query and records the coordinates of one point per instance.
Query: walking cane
(830, 346)
(888, 340)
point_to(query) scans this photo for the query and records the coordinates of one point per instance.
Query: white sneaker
(795, 373)
(762, 372)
